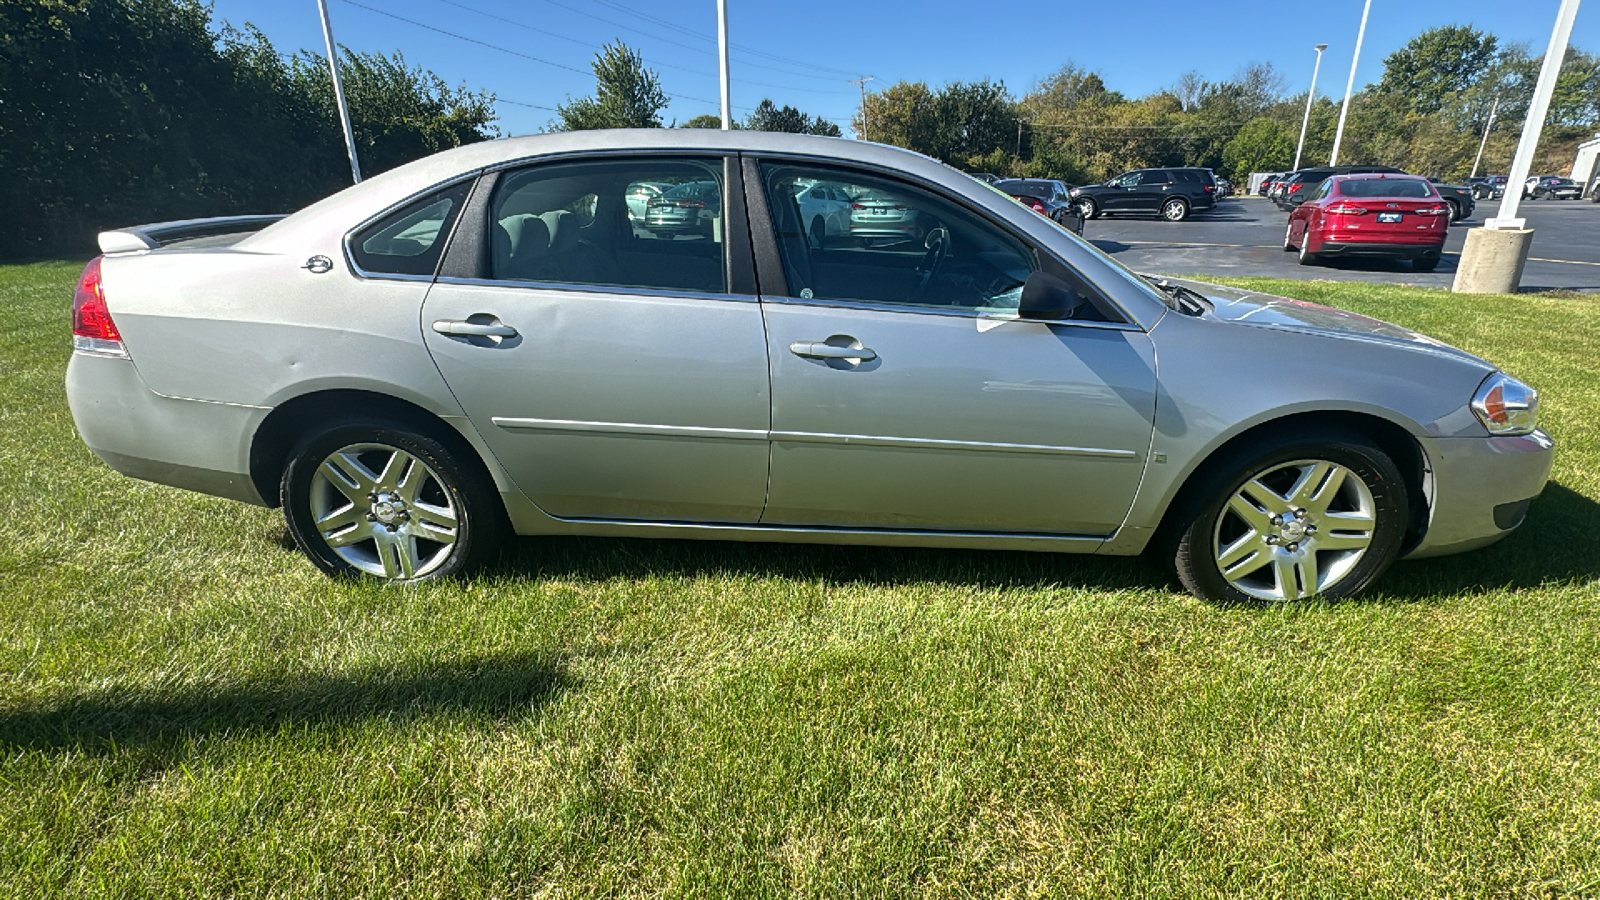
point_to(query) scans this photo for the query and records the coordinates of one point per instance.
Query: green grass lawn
(187, 708)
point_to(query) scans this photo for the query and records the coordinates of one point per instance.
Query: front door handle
(459, 328)
(820, 350)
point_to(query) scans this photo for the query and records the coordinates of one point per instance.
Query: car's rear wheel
(1175, 210)
(1426, 263)
(379, 498)
(1304, 516)
(1087, 208)
(1307, 258)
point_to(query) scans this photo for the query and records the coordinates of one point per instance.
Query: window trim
(769, 260)
(471, 265)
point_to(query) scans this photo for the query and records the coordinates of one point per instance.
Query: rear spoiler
(149, 237)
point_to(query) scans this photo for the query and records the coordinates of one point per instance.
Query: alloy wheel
(1294, 530)
(383, 511)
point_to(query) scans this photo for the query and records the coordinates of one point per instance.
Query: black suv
(1171, 193)
(1298, 186)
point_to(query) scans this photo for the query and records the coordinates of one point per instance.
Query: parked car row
(1551, 187)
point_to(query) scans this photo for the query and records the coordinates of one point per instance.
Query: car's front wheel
(379, 498)
(1087, 209)
(1302, 517)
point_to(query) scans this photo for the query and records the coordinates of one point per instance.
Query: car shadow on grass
(162, 720)
(1553, 545)
(1541, 552)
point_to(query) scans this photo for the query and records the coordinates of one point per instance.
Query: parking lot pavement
(1244, 236)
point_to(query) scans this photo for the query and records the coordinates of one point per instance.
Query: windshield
(1410, 188)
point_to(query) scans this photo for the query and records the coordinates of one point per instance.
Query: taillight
(1342, 210)
(92, 328)
(1432, 211)
(1036, 206)
(1293, 187)
(857, 206)
(1208, 188)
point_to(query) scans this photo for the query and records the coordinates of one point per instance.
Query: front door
(906, 394)
(599, 351)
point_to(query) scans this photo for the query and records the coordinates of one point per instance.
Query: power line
(518, 53)
(653, 62)
(675, 27)
(658, 37)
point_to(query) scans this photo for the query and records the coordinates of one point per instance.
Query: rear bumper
(191, 444)
(1385, 249)
(1480, 489)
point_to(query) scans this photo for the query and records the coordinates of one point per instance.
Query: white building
(1583, 168)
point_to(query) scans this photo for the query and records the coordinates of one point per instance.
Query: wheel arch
(291, 420)
(1390, 437)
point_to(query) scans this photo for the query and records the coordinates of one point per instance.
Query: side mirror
(1048, 298)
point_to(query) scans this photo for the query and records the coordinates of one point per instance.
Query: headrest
(563, 228)
(530, 237)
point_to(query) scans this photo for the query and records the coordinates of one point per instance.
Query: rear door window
(572, 224)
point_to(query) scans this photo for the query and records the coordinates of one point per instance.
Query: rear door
(614, 372)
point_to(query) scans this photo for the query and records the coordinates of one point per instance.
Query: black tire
(1175, 209)
(819, 232)
(1307, 258)
(1209, 526)
(1425, 263)
(1455, 211)
(439, 518)
(1087, 208)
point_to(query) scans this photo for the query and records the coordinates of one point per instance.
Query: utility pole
(1019, 138)
(862, 83)
(1349, 86)
(1486, 127)
(722, 46)
(338, 92)
(1310, 95)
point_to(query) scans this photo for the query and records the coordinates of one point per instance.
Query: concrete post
(1492, 260)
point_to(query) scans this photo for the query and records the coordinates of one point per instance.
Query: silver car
(480, 343)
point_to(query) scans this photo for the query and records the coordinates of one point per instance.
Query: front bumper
(191, 444)
(1480, 489)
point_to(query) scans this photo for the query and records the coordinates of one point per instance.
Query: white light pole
(722, 45)
(1494, 256)
(1349, 86)
(1488, 125)
(1531, 129)
(1310, 95)
(338, 92)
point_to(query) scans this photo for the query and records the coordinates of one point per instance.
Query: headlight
(1074, 192)
(1506, 406)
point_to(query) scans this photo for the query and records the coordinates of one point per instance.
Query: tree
(1436, 64)
(627, 95)
(706, 120)
(1262, 145)
(771, 117)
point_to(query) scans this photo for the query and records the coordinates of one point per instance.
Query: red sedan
(1390, 216)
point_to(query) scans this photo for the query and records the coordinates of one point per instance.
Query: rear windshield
(1026, 188)
(1386, 187)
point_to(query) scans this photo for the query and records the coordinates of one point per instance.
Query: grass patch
(187, 709)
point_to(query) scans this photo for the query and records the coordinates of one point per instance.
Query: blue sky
(804, 53)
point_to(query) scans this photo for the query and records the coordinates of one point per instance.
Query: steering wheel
(938, 244)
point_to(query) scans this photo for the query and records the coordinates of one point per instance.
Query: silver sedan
(482, 342)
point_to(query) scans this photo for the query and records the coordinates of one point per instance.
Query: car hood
(1268, 311)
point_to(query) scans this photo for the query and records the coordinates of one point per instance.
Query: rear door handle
(459, 328)
(820, 350)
